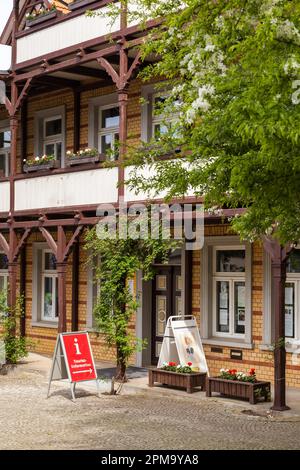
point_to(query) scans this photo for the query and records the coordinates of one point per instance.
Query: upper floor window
(5, 142)
(52, 137)
(108, 130)
(229, 291)
(292, 296)
(50, 133)
(158, 114)
(159, 123)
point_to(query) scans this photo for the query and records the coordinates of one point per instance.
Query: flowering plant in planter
(41, 12)
(233, 374)
(37, 161)
(83, 153)
(179, 368)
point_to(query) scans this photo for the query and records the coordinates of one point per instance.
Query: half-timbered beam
(65, 64)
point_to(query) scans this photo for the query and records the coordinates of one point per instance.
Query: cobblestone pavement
(140, 421)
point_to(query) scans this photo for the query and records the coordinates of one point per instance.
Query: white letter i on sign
(77, 346)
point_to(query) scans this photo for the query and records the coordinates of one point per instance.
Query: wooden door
(167, 301)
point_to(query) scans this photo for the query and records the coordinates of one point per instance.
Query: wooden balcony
(64, 190)
(63, 32)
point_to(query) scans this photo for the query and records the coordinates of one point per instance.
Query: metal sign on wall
(182, 343)
(73, 360)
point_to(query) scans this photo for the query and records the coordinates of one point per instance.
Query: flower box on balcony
(79, 3)
(76, 160)
(252, 391)
(188, 381)
(41, 18)
(51, 165)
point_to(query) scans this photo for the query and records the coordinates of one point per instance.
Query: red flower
(172, 364)
(252, 371)
(232, 371)
(189, 363)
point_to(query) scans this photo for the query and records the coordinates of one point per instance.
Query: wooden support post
(187, 277)
(62, 250)
(75, 286)
(12, 270)
(278, 265)
(122, 99)
(23, 289)
(62, 303)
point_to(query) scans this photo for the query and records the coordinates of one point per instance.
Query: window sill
(293, 348)
(230, 343)
(44, 324)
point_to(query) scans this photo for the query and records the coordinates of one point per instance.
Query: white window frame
(43, 116)
(232, 278)
(294, 278)
(268, 321)
(4, 274)
(4, 127)
(157, 119)
(53, 139)
(49, 274)
(149, 118)
(207, 314)
(93, 288)
(104, 131)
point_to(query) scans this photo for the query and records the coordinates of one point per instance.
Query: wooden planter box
(43, 167)
(80, 3)
(81, 160)
(41, 19)
(238, 389)
(175, 379)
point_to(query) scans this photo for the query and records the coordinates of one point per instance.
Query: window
(229, 291)
(49, 307)
(226, 292)
(292, 296)
(50, 133)
(108, 132)
(93, 292)
(3, 272)
(52, 137)
(155, 122)
(5, 141)
(159, 126)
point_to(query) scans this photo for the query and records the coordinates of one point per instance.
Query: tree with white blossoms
(232, 74)
(233, 79)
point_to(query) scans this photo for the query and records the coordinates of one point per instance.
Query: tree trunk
(121, 366)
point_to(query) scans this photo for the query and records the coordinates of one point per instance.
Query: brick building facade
(77, 89)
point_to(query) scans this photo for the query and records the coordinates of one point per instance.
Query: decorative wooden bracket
(4, 245)
(275, 250)
(121, 80)
(61, 249)
(21, 244)
(6, 248)
(13, 109)
(50, 240)
(134, 65)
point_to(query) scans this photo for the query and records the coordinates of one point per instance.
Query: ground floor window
(229, 290)
(292, 296)
(226, 284)
(49, 287)
(44, 286)
(3, 273)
